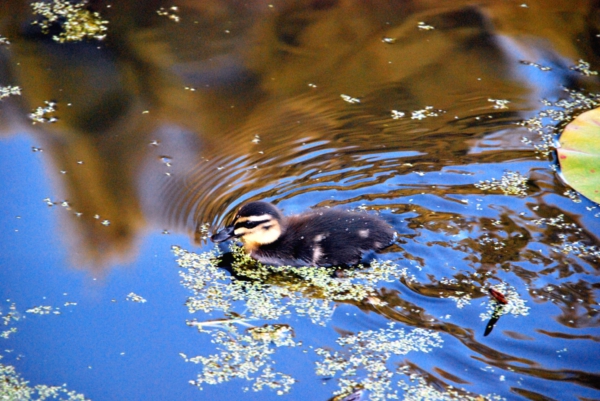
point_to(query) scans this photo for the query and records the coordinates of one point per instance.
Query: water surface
(401, 108)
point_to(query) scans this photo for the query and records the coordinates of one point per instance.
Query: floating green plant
(6, 91)
(270, 292)
(246, 356)
(579, 154)
(364, 358)
(511, 183)
(77, 22)
(515, 306)
(14, 387)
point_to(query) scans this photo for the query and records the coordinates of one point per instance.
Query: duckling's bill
(225, 234)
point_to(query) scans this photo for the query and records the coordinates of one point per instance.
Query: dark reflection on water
(172, 126)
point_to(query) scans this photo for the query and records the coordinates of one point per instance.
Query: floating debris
(4, 41)
(13, 387)
(424, 27)
(6, 91)
(511, 183)
(246, 356)
(350, 99)
(573, 195)
(494, 243)
(428, 111)
(558, 221)
(76, 21)
(515, 304)
(389, 41)
(499, 103)
(203, 231)
(536, 65)
(397, 114)
(7, 333)
(418, 388)
(11, 316)
(363, 361)
(498, 296)
(170, 13)
(577, 248)
(462, 299)
(166, 160)
(583, 68)
(42, 310)
(133, 297)
(270, 292)
(570, 239)
(7, 319)
(560, 113)
(42, 114)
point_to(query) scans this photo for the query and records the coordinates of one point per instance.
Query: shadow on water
(404, 108)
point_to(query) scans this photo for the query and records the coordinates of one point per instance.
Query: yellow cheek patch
(240, 231)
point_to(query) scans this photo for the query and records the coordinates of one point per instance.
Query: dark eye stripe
(250, 224)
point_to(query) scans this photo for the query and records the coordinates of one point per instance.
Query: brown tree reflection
(205, 87)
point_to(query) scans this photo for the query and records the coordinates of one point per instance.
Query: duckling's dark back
(327, 237)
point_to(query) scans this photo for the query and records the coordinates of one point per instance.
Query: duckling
(323, 237)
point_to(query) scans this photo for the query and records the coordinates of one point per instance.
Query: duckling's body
(322, 237)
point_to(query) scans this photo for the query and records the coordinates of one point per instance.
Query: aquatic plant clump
(6, 91)
(76, 21)
(133, 297)
(570, 241)
(549, 122)
(428, 111)
(7, 319)
(511, 183)
(364, 358)
(515, 306)
(246, 356)
(13, 387)
(44, 114)
(42, 310)
(171, 13)
(461, 298)
(417, 389)
(270, 292)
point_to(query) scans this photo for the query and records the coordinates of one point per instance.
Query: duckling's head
(256, 224)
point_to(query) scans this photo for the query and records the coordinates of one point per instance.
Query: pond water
(132, 131)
